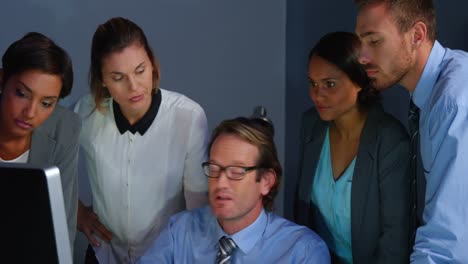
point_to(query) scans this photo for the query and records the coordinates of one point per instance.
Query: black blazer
(380, 194)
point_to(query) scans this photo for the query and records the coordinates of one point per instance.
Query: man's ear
(419, 34)
(268, 181)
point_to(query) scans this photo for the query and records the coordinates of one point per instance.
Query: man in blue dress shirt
(399, 46)
(238, 227)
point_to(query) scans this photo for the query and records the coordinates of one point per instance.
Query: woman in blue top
(353, 187)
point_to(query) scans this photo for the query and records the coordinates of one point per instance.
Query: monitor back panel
(27, 217)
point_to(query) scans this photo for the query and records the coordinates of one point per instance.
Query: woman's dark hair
(35, 51)
(115, 35)
(342, 50)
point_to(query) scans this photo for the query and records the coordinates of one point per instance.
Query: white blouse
(23, 158)
(138, 182)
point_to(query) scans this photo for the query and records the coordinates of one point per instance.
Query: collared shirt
(139, 181)
(333, 200)
(192, 237)
(141, 125)
(442, 97)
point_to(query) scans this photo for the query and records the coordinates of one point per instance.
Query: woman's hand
(89, 224)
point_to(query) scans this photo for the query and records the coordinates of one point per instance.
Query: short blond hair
(261, 136)
(408, 12)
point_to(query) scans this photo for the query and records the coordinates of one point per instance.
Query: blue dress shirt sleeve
(311, 253)
(444, 236)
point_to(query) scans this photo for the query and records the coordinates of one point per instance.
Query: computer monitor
(34, 225)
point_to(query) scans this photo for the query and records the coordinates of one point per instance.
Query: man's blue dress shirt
(192, 237)
(442, 97)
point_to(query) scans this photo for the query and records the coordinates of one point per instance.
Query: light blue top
(442, 97)
(333, 200)
(192, 237)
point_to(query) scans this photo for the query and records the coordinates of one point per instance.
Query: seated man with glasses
(238, 226)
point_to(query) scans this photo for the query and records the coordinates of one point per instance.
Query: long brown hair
(113, 36)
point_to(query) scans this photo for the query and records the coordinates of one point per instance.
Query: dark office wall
(452, 23)
(227, 55)
(307, 21)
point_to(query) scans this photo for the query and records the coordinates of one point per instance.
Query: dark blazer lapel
(314, 135)
(363, 172)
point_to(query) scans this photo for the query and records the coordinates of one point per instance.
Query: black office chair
(260, 115)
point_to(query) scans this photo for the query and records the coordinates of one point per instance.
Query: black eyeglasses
(236, 173)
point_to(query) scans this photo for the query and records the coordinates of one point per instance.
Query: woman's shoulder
(171, 99)
(85, 105)
(311, 113)
(62, 125)
(386, 126)
(311, 119)
(63, 117)
(385, 120)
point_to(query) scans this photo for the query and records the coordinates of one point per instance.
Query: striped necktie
(413, 121)
(226, 247)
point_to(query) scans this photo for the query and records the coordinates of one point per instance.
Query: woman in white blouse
(143, 147)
